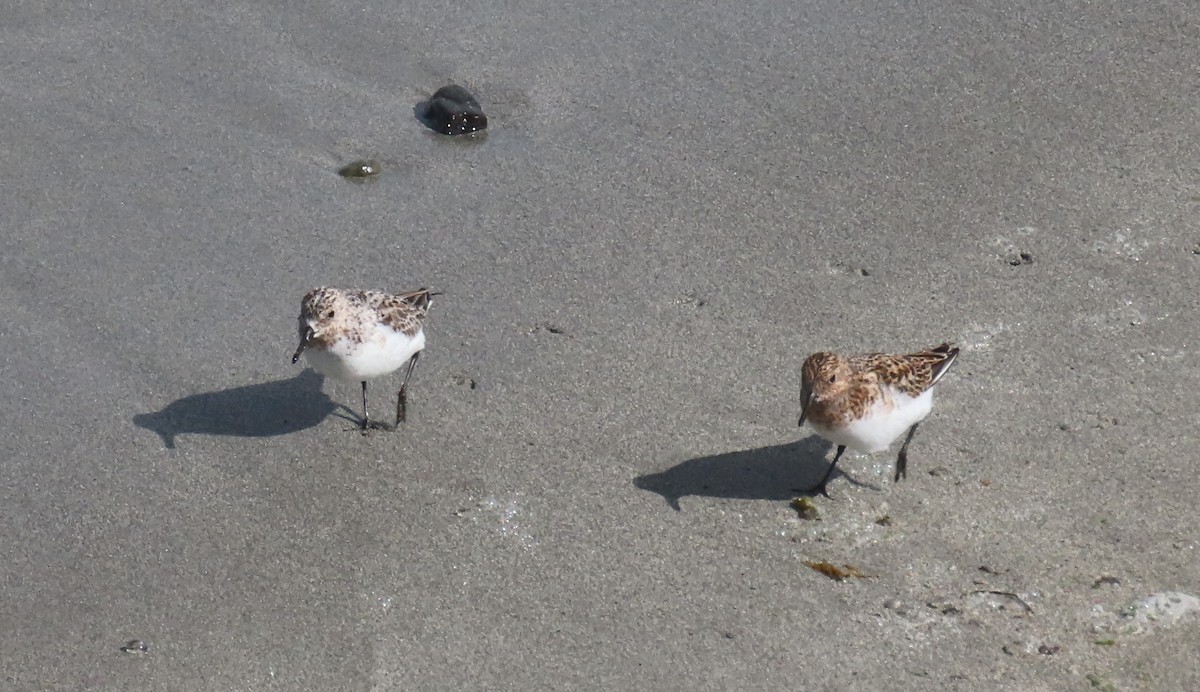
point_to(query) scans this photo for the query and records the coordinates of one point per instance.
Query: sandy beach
(671, 207)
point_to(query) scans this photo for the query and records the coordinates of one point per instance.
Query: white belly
(383, 353)
(886, 420)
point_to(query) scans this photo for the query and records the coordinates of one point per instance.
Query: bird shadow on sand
(778, 472)
(257, 410)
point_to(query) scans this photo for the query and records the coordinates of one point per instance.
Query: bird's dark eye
(329, 315)
(832, 379)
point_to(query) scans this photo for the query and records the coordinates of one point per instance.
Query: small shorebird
(866, 402)
(357, 336)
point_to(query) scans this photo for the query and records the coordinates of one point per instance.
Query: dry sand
(673, 206)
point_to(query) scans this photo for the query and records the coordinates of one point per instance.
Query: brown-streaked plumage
(865, 402)
(355, 336)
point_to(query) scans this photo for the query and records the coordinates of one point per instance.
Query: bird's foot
(369, 427)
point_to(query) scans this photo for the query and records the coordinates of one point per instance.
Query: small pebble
(452, 110)
(364, 168)
(806, 508)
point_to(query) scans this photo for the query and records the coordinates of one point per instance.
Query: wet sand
(670, 209)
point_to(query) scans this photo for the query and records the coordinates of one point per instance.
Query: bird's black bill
(308, 335)
(804, 410)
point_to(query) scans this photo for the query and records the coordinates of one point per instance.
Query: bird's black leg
(366, 421)
(820, 487)
(902, 460)
(402, 397)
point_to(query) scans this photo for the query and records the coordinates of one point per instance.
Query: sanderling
(866, 402)
(357, 336)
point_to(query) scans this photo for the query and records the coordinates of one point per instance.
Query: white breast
(886, 420)
(384, 351)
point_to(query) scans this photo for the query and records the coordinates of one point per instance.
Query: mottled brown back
(344, 312)
(912, 373)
